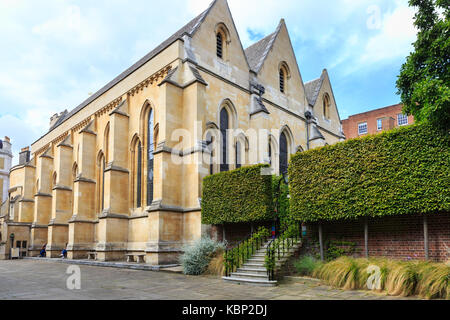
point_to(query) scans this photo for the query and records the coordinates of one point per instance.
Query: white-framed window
(402, 119)
(362, 128)
(379, 124)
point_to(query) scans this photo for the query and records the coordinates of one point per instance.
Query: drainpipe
(425, 237)
(308, 116)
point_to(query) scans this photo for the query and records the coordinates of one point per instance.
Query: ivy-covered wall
(404, 171)
(242, 195)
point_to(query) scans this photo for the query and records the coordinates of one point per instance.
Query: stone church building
(122, 172)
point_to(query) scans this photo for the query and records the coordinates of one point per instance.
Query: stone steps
(247, 270)
(263, 283)
(254, 272)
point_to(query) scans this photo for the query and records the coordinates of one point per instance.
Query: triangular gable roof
(188, 29)
(258, 52)
(312, 90)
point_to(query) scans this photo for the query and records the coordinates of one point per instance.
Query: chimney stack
(24, 156)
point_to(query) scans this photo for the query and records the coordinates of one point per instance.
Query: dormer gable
(322, 101)
(217, 46)
(273, 61)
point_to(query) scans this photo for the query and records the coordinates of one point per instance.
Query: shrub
(306, 265)
(242, 195)
(404, 171)
(197, 257)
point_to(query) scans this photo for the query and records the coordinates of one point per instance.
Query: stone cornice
(34, 225)
(27, 200)
(200, 147)
(62, 188)
(159, 206)
(108, 107)
(112, 167)
(81, 179)
(75, 219)
(19, 224)
(109, 215)
(53, 223)
(41, 194)
(154, 78)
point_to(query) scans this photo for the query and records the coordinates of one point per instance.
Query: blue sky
(54, 53)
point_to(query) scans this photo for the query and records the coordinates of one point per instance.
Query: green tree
(424, 81)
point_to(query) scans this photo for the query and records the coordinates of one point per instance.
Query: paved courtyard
(28, 279)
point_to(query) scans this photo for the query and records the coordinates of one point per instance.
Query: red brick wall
(350, 125)
(399, 237)
(237, 232)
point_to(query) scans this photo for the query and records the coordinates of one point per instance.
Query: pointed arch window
(210, 145)
(326, 106)
(139, 175)
(283, 153)
(282, 80)
(238, 155)
(219, 45)
(270, 154)
(224, 126)
(101, 181)
(74, 177)
(150, 156)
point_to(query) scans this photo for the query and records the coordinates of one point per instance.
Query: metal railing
(236, 256)
(279, 247)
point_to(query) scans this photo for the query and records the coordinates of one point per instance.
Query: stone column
(58, 228)
(113, 222)
(42, 203)
(165, 215)
(26, 203)
(82, 223)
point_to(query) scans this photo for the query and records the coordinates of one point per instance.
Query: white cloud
(395, 38)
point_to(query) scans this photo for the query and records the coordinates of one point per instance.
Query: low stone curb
(298, 279)
(173, 268)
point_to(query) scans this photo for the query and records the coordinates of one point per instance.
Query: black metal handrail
(277, 249)
(235, 257)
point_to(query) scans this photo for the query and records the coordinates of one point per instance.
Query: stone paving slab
(46, 280)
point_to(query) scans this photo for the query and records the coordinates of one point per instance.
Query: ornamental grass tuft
(396, 278)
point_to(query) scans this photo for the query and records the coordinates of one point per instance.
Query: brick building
(375, 121)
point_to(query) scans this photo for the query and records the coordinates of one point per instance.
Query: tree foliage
(424, 81)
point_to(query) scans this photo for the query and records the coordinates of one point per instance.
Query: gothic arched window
(210, 145)
(326, 106)
(219, 45)
(101, 181)
(282, 80)
(139, 175)
(150, 156)
(283, 153)
(224, 126)
(238, 155)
